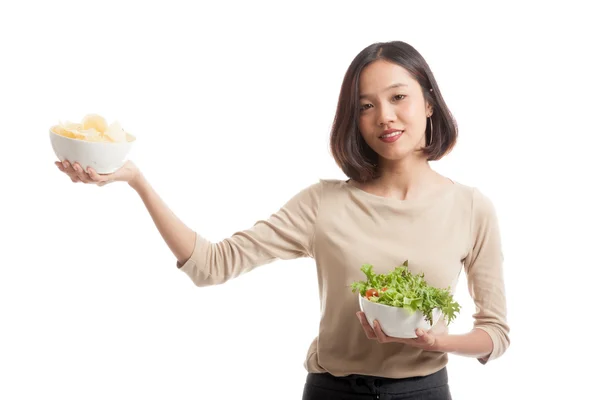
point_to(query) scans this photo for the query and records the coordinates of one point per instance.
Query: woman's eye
(365, 107)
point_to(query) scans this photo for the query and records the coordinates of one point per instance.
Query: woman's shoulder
(336, 187)
(478, 199)
(322, 187)
(331, 182)
(320, 184)
(314, 191)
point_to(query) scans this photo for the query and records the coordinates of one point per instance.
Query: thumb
(100, 180)
(425, 337)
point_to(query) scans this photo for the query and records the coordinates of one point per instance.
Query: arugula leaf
(401, 288)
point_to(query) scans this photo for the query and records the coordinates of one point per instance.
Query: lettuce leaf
(401, 288)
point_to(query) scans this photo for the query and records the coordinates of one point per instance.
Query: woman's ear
(429, 110)
(428, 106)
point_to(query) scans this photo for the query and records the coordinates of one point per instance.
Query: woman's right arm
(178, 236)
(286, 234)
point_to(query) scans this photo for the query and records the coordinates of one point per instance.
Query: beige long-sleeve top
(343, 227)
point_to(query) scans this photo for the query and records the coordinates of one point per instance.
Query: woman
(391, 120)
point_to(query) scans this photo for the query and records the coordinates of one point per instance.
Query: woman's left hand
(424, 340)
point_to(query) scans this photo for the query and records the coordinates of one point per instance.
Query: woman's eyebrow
(395, 85)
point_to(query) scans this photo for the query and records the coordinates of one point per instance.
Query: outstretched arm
(178, 236)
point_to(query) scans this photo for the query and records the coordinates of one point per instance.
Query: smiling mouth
(390, 135)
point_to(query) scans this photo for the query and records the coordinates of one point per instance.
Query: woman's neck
(406, 179)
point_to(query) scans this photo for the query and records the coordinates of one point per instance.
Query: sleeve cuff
(195, 266)
(498, 347)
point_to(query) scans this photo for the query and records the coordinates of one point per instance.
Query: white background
(232, 103)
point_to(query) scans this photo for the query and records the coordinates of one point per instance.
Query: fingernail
(65, 164)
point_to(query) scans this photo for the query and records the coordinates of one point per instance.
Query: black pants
(362, 387)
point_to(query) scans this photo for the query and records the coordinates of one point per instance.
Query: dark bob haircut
(350, 151)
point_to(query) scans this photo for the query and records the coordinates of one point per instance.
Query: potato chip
(94, 121)
(59, 129)
(68, 129)
(116, 133)
(89, 134)
(93, 128)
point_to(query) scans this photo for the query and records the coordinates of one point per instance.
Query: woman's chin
(393, 156)
(399, 156)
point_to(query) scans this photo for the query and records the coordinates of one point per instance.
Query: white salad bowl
(103, 157)
(396, 321)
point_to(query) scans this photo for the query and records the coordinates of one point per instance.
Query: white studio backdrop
(232, 103)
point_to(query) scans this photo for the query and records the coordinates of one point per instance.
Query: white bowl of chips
(92, 143)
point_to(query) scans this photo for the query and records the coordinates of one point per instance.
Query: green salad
(401, 288)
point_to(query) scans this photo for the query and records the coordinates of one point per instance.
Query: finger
(94, 176)
(381, 337)
(60, 166)
(365, 324)
(424, 337)
(83, 177)
(68, 169)
(366, 327)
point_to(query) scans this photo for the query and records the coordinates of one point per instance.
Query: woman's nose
(386, 115)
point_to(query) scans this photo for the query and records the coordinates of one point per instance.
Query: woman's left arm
(485, 280)
(483, 265)
(477, 343)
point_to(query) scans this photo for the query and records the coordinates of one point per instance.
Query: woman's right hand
(127, 173)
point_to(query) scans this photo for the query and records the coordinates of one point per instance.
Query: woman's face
(390, 99)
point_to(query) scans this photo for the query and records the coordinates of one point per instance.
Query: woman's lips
(392, 137)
